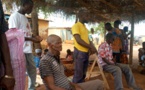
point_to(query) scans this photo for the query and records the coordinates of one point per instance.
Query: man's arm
(49, 80)
(84, 44)
(6, 55)
(36, 39)
(106, 61)
(8, 80)
(91, 43)
(81, 42)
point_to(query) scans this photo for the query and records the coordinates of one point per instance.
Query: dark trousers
(117, 55)
(81, 65)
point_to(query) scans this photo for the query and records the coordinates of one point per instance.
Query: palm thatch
(98, 10)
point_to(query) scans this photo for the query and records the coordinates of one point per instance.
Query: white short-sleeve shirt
(20, 21)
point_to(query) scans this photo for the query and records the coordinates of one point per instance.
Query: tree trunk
(35, 26)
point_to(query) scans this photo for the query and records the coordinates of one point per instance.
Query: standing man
(82, 48)
(117, 43)
(18, 20)
(6, 73)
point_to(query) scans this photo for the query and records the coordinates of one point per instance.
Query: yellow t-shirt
(80, 29)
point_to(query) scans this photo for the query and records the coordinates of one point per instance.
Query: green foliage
(100, 28)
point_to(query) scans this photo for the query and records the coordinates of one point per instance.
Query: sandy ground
(140, 79)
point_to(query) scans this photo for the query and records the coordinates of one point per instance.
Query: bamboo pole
(131, 40)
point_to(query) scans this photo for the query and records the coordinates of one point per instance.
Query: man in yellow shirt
(82, 48)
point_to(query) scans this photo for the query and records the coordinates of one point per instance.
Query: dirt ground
(140, 79)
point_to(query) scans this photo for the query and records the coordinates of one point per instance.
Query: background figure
(141, 55)
(69, 55)
(44, 52)
(94, 37)
(6, 73)
(18, 20)
(37, 58)
(125, 34)
(118, 43)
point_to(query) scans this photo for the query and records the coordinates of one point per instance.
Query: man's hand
(93, 50)
(38, 38)
(75, 86)
(7, 83)
(114, 59)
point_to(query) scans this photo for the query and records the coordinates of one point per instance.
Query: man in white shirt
(18, 20)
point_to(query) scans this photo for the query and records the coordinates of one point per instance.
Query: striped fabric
(50, 67)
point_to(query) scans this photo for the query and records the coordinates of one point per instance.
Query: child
(69, 55)
(141, 55)
(45, 52)
(37, 58)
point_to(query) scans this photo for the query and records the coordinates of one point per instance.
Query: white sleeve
(13, 22)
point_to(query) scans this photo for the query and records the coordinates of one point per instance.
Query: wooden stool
(100, 72)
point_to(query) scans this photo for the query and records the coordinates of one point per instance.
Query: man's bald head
(55, 44)
(52, 39)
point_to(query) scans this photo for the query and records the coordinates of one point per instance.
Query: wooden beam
(139, 4)
(131, 40)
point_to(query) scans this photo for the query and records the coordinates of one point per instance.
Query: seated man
(108, 64)
(141, 55)
(52, 70)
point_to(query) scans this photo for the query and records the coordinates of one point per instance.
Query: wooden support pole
(131, 40)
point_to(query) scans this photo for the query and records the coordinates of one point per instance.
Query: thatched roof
(98, 10)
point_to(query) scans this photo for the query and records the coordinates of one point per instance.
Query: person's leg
(117, 74)
(128, 75)
(86, 63)
(80, 59)
(31, 70)
(92, 85)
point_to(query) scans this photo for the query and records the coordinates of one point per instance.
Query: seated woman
(141, 55)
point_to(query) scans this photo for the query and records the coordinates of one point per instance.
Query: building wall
(43, 32)
(63, 33)
(43, 28)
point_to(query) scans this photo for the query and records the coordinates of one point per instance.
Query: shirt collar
(57, 58)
